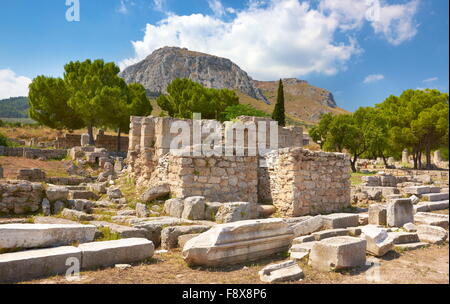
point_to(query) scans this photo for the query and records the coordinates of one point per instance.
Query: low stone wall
(71, 181)
(33, 153)
(108, 142)
(20, 197)
(306, 182)
(413, 174)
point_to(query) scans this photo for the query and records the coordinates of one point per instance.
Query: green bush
(234, 111)
(3, 140)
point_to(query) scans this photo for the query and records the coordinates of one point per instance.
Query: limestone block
(57, 193)
(239, 211)
(377, 214)
(308, 226)
(33, 264)
(434, 197)
(432, 219)
(238, 242)
(174, 207)
(155, 192)
(340, 220)
(141, 210)
(410, 227)
(44, 235)
(282, 272)
(211, 210)
(320, 235)
(401, 237)
(414, 199)
(378, 240)
(182, 239)
(114, 193)
(123, 232)
(109, 253)
(46, 208)
(432, 234)
(338, 253)
(169, 235)
(76, 215)
(194, 208)
(400, 212)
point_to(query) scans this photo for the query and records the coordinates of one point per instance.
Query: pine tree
(278, 112)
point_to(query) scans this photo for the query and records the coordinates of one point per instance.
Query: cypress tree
(279, 112)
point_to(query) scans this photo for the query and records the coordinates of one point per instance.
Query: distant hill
(14, 107)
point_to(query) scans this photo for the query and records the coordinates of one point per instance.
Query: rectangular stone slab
(340, 220)
(32, 264)
(124, 251)
(44, 235)
(434, 197)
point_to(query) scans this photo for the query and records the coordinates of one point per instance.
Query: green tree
(91, 85)
(186, 97)
(319, 133)
(279, 111)
(48, 99)
(232, 112)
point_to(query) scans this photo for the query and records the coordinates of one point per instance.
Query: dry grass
(52, 168)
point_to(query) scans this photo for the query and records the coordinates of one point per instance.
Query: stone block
(33, 264)
(432, 219)
(308, 226)
(57, 193)
(182, 239)
(155, 193)
(282, 272)
(43, 235)
(434, 197)
(211, 210)
(338, 253)
(194, 208)
(400, 212)
(378, 240)
(77, 215)
(320, 235)
(238, 211)
(377, 214)
(238, 242)
(401, 237)
(340, 220)
(169, 235)
(432, 234)
(174, 207)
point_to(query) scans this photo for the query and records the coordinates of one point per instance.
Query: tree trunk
(385, 161)
(419, 157)
(91, 135)
(428, 154)
(118, 140)
(353, 163)
(415, 158)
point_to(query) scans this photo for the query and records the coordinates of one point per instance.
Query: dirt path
(426, 266)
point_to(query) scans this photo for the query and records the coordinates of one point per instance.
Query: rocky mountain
(164, 65)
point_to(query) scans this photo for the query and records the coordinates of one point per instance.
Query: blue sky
(361, 51)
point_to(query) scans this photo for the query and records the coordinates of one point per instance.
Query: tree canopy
(279, 111)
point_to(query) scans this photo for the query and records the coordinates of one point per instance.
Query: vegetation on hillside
(417, 120)
(279, 111)
(14, 107)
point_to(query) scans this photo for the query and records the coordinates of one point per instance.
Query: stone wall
(305, 182)
(108, 142)
(411, 175)
(33, 153)
(20, 197)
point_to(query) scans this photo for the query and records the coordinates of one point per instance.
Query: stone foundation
(20, 197)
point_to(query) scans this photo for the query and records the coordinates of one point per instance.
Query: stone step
(340, 220)
(320, 235)
(122, 231)
(411, 246)
(109, 253)
(434, 197)
(431, 206)
(33, 264)
(82, 194)
(77, 188)
(418, 190)
(432, 219)
(44, 235)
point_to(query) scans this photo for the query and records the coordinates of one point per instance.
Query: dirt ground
(423, 266)
(53, 168)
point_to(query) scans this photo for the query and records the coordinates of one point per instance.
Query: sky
(361, 50)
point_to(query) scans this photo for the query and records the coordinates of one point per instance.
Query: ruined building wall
(306, 182)
(108, 142)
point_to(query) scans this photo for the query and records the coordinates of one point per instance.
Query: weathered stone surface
(434, 197)
(338, 253)
(174, 207)
(431, 234)
(155, 192)
(401, 237)
(182, 239)
(114, 193)
(282, 272)
(127, 212)
(81, 205)
(57, 193)
(363, 219)
(303, 239)
(377, 214)
(33, 264)
(142, 210)
(302, 247)
(109, 253)
(418, 190)
(123, 232)
(46, 208)
(378, 240)
(410, 227)
(239, 211)
(432, 219)
(340, 220)
(58, 206)
(77, 215)
(82, 194)
(308, 226)
(411, 246)
(169, 235)
(320, 235)
(414, 199)
(20, 197)
(266, 210)
(154, 226)
(194, 208)
(400, 212)
(238, 242)
(44, 235)
(211, 210)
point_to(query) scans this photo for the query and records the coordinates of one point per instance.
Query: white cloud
(284, 38)
(12, 85)
(373, 78)
(280, 38)
(217, 7)
(431, 79)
